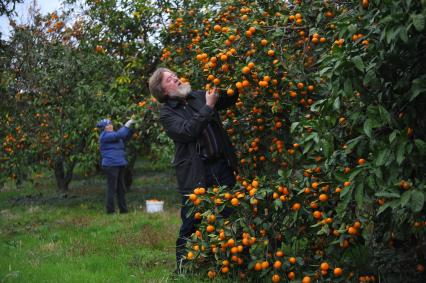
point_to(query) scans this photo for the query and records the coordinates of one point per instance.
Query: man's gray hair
(155, 84)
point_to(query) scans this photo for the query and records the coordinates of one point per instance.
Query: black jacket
(184, 127)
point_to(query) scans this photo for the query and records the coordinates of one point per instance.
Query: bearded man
(204, 155)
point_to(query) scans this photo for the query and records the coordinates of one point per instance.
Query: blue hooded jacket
(111, 145)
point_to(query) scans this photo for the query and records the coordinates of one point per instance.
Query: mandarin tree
(316, 97)
(127, 32)
(95, 65)
(54, 87)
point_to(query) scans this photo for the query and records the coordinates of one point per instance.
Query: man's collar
(174, 102)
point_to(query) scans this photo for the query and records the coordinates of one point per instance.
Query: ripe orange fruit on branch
(258, 266)
(277, 264)
(404, 185)
(235, 202)
(352, 231)
(211, 274)
(323, 197)
(296, 206)
(210, 228)
(357, 224)
(337, 271)
(275, 278)
(99, 48)
(265, 264)
(324, 266)
(317, 214)
(212, 218)
(245, 70)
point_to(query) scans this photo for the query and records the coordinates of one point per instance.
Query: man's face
(170, 83)
(109, 128)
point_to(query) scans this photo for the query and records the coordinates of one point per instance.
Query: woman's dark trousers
(115, 187)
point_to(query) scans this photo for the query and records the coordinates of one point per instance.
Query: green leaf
(352, 28)
(316, 137)
(278, 204)
(347, 87)
(325, 230)
(418, 21)
(418, 86)
(316, 106)
(403, 35)
(387, 194)
(421, 146)
(371, 182)
(328, 146)
(324, 70)
(391, 34)
(345, 191)
(343, 205)
(370, 76)
(307, 147)
(392, 136)
(354, 173)
(382, 157)
(293, 126)
(379, 175)
(383, 208)
(336, 104)
(400, 152)
(392, 204)
(295, 217)
(359, 64)
(405, 198)
(417, 201)
(310, 137)
(384, 114)
(359, 194)
(368, 124)
(353, 142)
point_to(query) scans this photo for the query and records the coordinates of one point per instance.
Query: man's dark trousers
(218, 173)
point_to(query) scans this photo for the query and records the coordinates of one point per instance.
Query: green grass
(50, 237)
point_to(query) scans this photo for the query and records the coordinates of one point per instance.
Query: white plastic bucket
(153, 206)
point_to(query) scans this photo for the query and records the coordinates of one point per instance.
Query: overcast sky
(46, 6)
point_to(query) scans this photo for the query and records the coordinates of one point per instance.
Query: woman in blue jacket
(113, 153)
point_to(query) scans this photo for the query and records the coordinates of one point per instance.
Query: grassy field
(51, 237)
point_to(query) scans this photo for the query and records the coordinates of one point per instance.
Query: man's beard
(182, 91)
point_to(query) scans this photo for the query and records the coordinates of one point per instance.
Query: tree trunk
(63, 175)
(128, 172)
